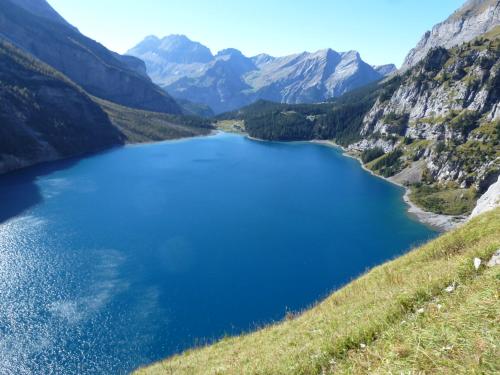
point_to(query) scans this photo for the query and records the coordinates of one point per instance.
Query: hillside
(143, 126)
(434, 128)
(45, 116)
(429, 311)
(229, 80)
(35, 27)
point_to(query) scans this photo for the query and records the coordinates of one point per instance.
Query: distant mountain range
(230, 80)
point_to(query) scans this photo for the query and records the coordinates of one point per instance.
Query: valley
(180, 209)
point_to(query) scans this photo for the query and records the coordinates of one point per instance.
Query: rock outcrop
(474, 18)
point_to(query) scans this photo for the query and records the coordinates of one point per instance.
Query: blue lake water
(122, 258)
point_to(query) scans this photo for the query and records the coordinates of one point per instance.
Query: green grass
(446, 201)
(144, 126)
(387, 321)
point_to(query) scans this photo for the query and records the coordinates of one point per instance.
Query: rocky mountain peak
(351, 55)
(474, 18)
(173, 49)
(230, 52)
(238, 62)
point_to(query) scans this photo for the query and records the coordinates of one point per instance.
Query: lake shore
(442, 223)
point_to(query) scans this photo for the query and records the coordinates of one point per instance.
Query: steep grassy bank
(429, 311)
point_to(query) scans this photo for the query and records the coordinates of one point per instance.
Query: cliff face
(476, 17)
(448, 105)
(34, 26)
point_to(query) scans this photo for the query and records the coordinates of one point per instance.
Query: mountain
(45, 116)
(35, 27)
(474, 18)
(434, 128)
(311, 77)
(230, 80)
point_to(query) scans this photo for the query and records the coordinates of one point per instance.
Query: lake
(115, 260)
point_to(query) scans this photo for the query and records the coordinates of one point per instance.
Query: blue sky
(383, 31)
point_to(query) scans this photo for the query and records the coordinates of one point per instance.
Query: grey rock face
(99, 71)
(230, 80)
(474, 18)
(449, 99)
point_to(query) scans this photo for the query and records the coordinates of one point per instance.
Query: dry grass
(373, 325)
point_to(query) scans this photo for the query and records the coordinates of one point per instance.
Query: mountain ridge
(302, 77)
(101, 72)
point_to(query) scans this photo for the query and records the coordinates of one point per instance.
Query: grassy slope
(375, 324)
(144, 126)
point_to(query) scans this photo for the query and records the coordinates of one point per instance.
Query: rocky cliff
(444, 116)
(34, 26)
(474, 18)
(230, 80)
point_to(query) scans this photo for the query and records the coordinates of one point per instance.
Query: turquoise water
(122, 258)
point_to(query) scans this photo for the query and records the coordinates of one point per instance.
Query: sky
(383, 31)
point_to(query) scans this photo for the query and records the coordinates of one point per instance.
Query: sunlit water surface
(119, 259)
